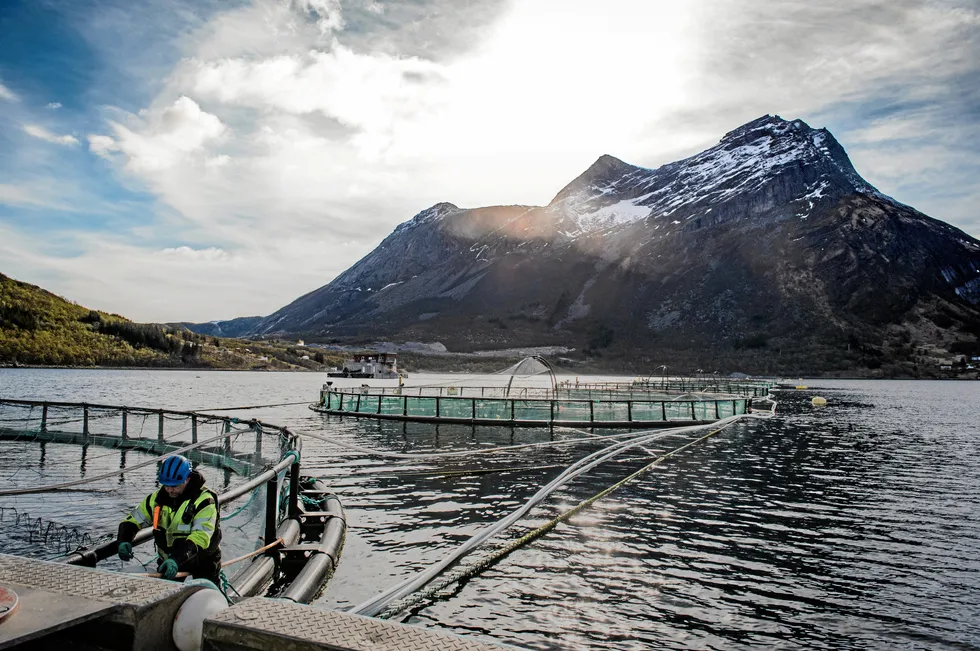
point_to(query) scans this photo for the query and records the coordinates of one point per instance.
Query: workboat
(380, 366)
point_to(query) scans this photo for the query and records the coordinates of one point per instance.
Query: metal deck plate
(88, 583)
(41, 613)
(270, 623)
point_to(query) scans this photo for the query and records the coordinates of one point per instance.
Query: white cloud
(30, 197)
(53, 105)
(7, 94)
(44, 134)
(160, 139)
(312, 134)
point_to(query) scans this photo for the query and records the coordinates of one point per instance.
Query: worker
(185, 521)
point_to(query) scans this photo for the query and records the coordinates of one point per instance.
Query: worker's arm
(139, 518)
(202, 528)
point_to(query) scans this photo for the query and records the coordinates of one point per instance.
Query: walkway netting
(73, 471)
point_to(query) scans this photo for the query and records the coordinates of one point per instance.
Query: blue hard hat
(175, 470)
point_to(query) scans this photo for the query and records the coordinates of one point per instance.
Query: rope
(274, 543)
(463, 453)
(54, 487)
(278, 404)
(243, 507)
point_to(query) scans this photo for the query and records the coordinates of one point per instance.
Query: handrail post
(194, 428)
(271, 515)
(85, 420)
(294, 490)
(125, 425)
(663, 411)
(629, 410)
(44, 418)
(693, 417)
(438, 409)
(160, 428)
(258, 441)
(473, 407)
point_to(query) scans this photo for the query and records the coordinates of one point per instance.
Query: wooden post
(125, 424)
(194, 428)
(85, 420)
(258, 441)
(160, 429)
(44, 418)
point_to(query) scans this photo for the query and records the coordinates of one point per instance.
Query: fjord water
(850, 526)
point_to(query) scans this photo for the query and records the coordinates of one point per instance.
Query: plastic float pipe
(90, 557)
(311, 578)
(259, 572)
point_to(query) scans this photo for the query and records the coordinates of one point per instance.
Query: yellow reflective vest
(194, 520)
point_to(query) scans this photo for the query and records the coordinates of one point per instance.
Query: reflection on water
(850, 526)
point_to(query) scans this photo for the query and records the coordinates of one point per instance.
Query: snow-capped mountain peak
(769, 162)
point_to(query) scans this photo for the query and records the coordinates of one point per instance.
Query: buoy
(818, 401)
(8, 602)
(189, 623)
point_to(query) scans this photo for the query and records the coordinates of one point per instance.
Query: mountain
(231, 328)
(38, 328)
(767, 252)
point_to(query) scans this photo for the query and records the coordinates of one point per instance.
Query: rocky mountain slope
(767, 252)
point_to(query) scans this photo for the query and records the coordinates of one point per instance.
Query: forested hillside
(39, 328)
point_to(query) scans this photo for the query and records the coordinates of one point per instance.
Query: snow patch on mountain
(743, 162)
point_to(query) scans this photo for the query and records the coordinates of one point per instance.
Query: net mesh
(95, 452)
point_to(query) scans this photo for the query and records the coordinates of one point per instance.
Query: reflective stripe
(181, 528)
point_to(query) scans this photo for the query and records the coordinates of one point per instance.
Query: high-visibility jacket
(186, 528)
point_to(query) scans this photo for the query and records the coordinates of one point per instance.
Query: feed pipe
(91, 557)
(379, 602)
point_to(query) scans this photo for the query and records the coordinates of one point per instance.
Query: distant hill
(766, 253)
(38, 328)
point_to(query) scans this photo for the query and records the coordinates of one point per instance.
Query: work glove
(125, 551)
(169, 569)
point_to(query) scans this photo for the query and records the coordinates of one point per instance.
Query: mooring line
(381, 601)
(531, 536)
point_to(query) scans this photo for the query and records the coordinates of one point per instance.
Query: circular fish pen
(300, 522)
(650, 402)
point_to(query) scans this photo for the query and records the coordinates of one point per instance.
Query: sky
(195, 160)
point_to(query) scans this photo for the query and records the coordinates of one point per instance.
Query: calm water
(851, 526)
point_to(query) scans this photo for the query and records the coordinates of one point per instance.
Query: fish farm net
(72, 472)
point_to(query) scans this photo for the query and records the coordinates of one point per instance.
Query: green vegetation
(38, 328)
